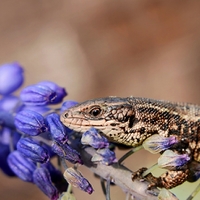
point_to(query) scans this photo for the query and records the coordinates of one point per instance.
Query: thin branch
(194, 193)
(120, 175)
(103, 185)
(108, 189)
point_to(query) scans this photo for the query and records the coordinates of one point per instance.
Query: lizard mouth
(78, 123)
(82, 124)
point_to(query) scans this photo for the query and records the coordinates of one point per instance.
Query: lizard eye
(95, 111)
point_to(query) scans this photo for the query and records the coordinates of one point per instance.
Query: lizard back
(131, 120)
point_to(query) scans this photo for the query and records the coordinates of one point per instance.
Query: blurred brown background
(101, 48)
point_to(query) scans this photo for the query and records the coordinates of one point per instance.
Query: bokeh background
(104, 48)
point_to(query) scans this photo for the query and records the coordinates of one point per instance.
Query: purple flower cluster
(29, 128)
(31, 133)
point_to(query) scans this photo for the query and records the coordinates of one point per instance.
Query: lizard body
(130, 121)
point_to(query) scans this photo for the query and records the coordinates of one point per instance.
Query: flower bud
(8, 136)
(56, 128)
(4, 152)
(48, 148)
(56, 177)
(67, 104)
(38, 95)
(171, 160)
(39, 109)
(157, 143)
(21, 166)
(75, 178)
(65, 151)
(9, 103)
(104, 156)
(33, 150)
(42, 178)
(6, 119)
(60, 91)
(11, 78)
(30, 122)
(94, 139)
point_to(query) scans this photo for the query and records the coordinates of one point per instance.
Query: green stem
(135, 149)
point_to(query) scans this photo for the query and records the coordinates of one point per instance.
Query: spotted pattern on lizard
(130, 121)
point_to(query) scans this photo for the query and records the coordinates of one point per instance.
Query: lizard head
(111, 116)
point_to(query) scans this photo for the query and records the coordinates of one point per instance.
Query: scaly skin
(130, 121)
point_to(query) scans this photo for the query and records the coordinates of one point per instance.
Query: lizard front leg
(167, 180)
(176, 163)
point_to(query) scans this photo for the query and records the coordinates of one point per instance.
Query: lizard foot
(138, 174)
(154, 182)
(167, 180)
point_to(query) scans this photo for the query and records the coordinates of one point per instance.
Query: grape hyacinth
(42, 178)
(11, 78)
(22, 166)
(75, 178)
(31, 135)
(32, 149)
(92, 138)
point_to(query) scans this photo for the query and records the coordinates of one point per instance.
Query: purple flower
(37, 95)
(8, 136)
(67, 104)
(75, 178)
(30, 122)
(60, 91)
(171, 160)
(56, 177)
(39, 109)
(104, 156)
(8, 139)
(5, 135)
(56, 128)
(11, 78)
(42, 178)
(157, 143)
(94, 139)
(21, 166)
(9, 103)
(6, 119)
(65, 151)
(32, 149)
(4, 152)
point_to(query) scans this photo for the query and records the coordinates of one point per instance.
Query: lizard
(130, 121)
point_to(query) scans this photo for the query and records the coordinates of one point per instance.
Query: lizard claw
(149, 177)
